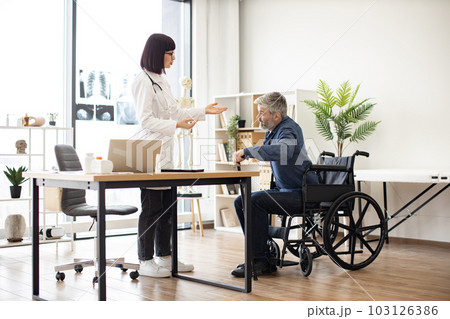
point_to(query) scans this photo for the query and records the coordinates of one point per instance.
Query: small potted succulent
(52, 118)
(16, 178)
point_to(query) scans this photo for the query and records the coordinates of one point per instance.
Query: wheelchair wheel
(306, 260)
(354, 230)
(274, 252)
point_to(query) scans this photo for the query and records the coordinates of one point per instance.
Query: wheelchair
(335, 220)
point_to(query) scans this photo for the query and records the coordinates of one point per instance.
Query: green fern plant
(338, 114)
(232, 132)
(15, 176)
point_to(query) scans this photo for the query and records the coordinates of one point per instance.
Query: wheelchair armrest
(335, 168)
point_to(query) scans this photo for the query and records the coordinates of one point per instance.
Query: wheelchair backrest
(336, 178)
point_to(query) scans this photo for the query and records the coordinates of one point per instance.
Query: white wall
(399, 51)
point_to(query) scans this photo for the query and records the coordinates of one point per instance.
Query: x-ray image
(85, 112)
(94, 84)
(104, 113)
(126, 114)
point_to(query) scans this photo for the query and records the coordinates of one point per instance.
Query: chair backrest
(336, 178)
(68, 160)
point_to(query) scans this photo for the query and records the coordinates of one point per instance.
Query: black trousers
(155, 224)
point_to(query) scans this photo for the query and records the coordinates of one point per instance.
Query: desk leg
(101, 243)
(35, 240)
(248, 233)
(173, 211)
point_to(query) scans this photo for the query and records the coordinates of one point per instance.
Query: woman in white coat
(159, 116)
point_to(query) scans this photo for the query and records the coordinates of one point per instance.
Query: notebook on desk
(137, 156)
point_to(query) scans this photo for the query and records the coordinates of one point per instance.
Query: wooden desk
(101, 182)
(432, 177)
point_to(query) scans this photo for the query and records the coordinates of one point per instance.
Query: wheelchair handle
(325, 153)
(362, 153)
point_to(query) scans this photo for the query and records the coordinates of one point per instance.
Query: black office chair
(73, 203)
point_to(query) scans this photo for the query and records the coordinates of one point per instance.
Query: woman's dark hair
(152, 57)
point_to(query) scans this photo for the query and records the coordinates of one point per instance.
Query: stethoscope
(165, 95)
(153, 83)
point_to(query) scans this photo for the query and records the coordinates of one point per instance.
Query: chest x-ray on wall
(105, 96)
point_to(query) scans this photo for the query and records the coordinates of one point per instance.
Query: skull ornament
(21, 145)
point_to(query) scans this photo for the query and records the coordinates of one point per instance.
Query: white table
(421, 176)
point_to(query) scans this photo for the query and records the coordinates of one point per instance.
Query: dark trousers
(264, 203)
(154, 227)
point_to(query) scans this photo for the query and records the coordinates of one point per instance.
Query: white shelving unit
(242, 104)
(39, 156)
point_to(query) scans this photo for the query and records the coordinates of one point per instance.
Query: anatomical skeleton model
(185, 102)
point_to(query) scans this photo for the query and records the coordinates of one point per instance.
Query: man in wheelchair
(284, 148)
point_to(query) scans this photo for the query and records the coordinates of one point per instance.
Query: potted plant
(233, 137)
(52, 118)
(340, 113)
(16, 178)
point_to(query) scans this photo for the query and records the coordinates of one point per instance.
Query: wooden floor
(401, 272)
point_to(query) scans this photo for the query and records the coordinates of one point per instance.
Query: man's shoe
(151, 269)
(167, 263)
(260, 268)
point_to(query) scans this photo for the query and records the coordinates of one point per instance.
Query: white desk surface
(403, 175)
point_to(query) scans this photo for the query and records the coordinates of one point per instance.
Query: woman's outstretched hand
(187, 123)
(213, 109)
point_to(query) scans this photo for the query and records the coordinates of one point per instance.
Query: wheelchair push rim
(361, 228)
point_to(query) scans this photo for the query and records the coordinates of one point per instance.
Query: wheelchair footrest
(290, 263)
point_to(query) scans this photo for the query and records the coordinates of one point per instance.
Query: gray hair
(274, 102)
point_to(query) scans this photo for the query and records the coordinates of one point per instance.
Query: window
(32, 81)
(31, 58)
(110, 37)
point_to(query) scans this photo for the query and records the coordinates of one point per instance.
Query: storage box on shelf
(242, 104)
(39, 156)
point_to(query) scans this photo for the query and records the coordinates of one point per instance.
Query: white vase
(15, 227)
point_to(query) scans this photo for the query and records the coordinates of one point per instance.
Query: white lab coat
(158, 113)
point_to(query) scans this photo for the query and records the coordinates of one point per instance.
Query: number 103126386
(394, 310)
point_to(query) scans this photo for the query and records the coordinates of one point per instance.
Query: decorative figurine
(21, 145)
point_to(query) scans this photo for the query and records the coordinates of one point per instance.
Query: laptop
(137, 156)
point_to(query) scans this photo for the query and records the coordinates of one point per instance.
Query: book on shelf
(223, 120)
(222, 151)
(224, 189)
(229, 218)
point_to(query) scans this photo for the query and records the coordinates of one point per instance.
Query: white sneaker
(151, 269)
(167, 263)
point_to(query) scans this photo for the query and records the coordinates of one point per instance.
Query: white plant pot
(15, 227)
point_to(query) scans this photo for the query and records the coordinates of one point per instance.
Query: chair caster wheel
(134, 274)
(60, 276)
(78, 268)
(94, 280)
(123, 269)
